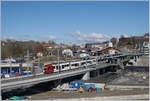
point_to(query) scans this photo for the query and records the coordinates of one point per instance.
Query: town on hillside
(19, 50)
(74, 50)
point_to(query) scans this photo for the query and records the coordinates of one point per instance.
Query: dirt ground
(143, 61)
(74, 94)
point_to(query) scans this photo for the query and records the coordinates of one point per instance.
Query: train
(55, 67)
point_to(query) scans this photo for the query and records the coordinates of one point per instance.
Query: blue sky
(73, 22)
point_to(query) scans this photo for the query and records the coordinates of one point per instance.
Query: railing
(23, 77)
(19, 82)
(42, 75)
(28, 81)
(9, 64)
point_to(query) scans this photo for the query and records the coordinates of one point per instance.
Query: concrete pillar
(128, 57)
(114, 69)
(20, 67)
(111, 68)
(86, 76)
(103, 70)
(135, 59)
(56, 84)
(19, 70)
(1, 96)
(7, 69)
(98, 73)
(10, 70)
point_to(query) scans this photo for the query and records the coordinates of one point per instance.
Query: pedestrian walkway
(110, 98)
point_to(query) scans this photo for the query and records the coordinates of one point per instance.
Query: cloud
(51, 37)
(92, 37)
(125, 35)
(77, 33)
(44, 37)
(26, 37)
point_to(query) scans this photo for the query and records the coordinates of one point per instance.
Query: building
(146, 35)
(97, 45)
(110, 50)
(12, 69)
(84, 56)
(67, 52)
(145, 48)
(135, 42)
(94, 48)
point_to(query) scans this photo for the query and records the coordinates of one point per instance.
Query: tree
(51, 42)
(114, 41)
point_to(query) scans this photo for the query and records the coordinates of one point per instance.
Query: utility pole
(28, 59)
(86, 62)
(10, 62)
(28, 56)
(39, 62)
(58, 59)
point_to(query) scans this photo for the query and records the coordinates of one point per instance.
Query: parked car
(2, 76)
(7, 75)
(27, 73)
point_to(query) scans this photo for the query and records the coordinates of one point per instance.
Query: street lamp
(39, 60)
(58, 59)
(59, 69)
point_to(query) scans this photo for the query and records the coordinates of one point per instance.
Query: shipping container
(76, 84)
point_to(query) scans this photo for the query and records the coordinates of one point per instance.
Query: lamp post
(39, 61)
(28, 58)
(86, 61)
(10, 62)
(58, 59)
(59, 69)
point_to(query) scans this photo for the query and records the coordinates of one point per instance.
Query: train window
(76, 64)
(63, 66)
(57, 67)
(35, 64)
(83, 63)
(89, 62)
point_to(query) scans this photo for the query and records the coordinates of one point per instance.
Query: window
(63, 66)
(89, 62)
(83, 63)
(67, 65)
(57, 67)
(76, 64)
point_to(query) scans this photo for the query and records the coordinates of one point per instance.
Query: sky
(73, 21)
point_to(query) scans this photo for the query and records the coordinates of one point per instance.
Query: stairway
(120, 64)
(37, 70)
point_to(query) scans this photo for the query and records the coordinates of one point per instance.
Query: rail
(23, 81)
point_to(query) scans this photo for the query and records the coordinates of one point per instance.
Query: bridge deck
(7, 84)
(26, 81)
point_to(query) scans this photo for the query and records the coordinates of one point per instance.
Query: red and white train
(54, 67)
